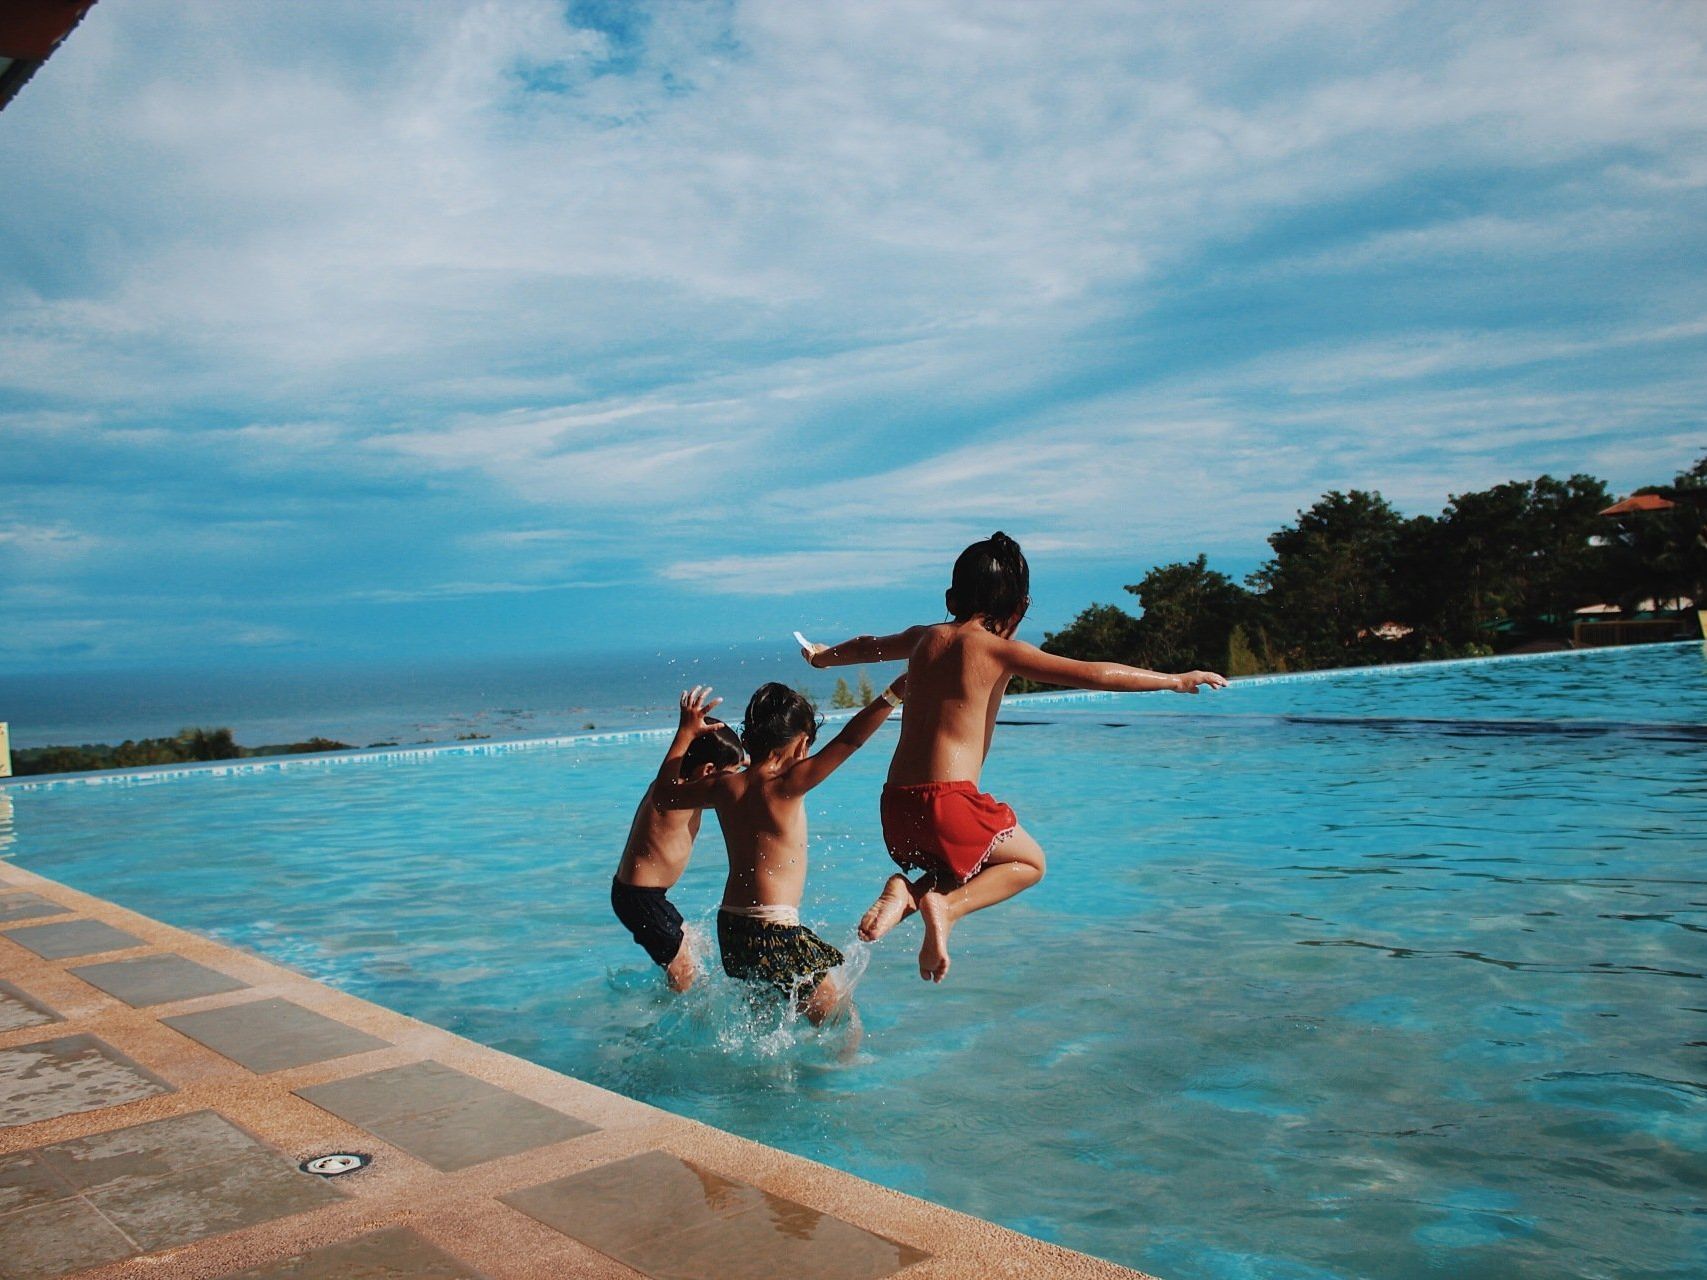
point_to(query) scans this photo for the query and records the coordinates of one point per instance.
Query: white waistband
(769, 913)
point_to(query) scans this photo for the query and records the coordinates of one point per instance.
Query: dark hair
(718, 747)
(775, 713)
(992, 578)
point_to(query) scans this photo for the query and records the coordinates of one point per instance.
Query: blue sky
(340, 331)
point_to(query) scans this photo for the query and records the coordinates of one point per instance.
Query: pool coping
(267, 764)
(459, 1212)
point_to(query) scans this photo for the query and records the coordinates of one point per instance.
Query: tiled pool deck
(158, 1091)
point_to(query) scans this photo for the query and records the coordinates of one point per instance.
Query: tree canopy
(1352, 581)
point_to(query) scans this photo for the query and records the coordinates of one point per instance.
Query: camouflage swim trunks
(790, 957)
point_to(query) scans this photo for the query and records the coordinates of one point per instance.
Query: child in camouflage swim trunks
(762, 810)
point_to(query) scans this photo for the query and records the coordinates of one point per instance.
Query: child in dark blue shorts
(659, 844)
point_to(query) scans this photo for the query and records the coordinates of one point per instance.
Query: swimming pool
(1388, 974)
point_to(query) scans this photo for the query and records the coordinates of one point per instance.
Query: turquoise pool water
(1391, 974)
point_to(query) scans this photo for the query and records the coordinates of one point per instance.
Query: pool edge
(459, 1211)
(267, 764)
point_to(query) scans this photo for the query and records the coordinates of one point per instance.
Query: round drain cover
(338, 1162)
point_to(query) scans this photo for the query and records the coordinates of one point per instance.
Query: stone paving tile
(141, 1189)
(676, 1221)
(157, 980)
(51, 1240)
(73, 938)
(162, 1213)
(28, 906)
(123, 1157)
(26, 1180)
(270, 1035)
(441, 1116)
(393, 1093)
(783, 1241)
(634, 1202)
(20, 1009)
(71, 1074)
(483, 1130)
(395, 1253)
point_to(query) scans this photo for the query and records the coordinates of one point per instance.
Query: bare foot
(890, 909)
(681, 971)
(933, 954)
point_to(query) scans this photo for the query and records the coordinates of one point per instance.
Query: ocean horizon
(403, 702)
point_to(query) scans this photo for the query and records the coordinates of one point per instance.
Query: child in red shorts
(969, 847)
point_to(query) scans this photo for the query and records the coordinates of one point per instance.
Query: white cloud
(911, 168)
(904, 271)
(798, 572)
(43, 538)
(462, 590)
(1357, 367)
(30, 551)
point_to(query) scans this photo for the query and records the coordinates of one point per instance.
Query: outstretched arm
(830, 757)
(700, 793)
(1026, 660)
(669, 791)
(864, 649)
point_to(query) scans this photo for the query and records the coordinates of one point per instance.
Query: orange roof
(30, 30)
(1641, 502)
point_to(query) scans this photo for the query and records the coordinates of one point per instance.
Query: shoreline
(407, 703)
(263, 764)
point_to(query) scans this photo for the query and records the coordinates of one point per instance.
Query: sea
(401, 701)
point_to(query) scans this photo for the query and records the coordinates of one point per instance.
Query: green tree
(60, 759)
(1675, 540)
(1190, 611)
(1242, 659)
(1101, 633)
(207, 744)
(1330, 580)
(866, 693)
(842, 696)
(1527, 551)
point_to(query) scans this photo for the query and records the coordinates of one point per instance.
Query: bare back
(955, 681)
(762, 808)
(659, 845)
(764, 831)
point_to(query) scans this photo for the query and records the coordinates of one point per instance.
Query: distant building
(1641, 502)
(1386, 631)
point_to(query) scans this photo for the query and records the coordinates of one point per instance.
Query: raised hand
(697, 704)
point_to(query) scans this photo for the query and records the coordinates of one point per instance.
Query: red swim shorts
(946, 827)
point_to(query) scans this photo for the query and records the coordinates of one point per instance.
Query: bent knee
(1028, 855)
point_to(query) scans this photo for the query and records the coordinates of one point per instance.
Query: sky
(426, 329)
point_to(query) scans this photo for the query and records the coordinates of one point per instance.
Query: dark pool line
(1667, 730)
(1692, 1089)
(1517, 966)
(1657, 917)
(1545, 728)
